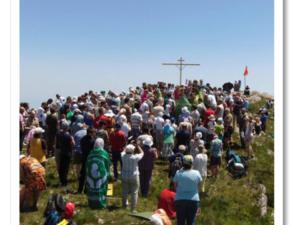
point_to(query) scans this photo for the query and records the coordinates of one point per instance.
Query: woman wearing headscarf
(146, 165)
(97, 175)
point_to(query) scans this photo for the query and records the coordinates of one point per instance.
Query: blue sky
(70, 47)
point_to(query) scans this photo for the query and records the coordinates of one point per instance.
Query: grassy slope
(229, 201)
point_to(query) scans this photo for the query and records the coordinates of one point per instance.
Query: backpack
(237, 166)
(52, 218)
(55, 207)
(175, 165)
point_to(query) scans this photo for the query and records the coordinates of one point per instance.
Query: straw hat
(188, 160)
(39, 130)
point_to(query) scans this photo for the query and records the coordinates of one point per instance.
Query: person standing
(37, 147)
(215, 155)
(130, 175)
(77, 153)
(146, 166)
(187, 198)
(51, 131)
(86, 145)
(158, 130)
(200, 164)
(136, 120)
(168, 134)
(118, 141)
(97, 175)
(65, 143)
(22, 127)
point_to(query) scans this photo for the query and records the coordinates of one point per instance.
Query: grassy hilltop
(229, 202)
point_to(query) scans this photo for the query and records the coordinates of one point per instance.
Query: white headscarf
(99, 143)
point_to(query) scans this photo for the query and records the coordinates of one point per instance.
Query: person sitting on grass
(166, 201)
(32, 176)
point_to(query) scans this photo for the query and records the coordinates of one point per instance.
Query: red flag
(246, 71)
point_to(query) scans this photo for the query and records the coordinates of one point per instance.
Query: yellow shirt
(36, 150)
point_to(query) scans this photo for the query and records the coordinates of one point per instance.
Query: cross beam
(181, 66)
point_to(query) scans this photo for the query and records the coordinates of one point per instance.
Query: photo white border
(9, 13)
(5, 131)
(14, 111)
(278, 118)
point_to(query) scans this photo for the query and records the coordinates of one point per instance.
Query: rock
(100, 221)
(263, 200)
(270, 152)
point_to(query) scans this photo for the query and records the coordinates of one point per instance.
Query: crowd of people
(189, 126)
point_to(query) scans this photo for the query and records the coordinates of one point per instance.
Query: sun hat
(211, 117)
(39, 130)
(129, 148)
(77, 110)
(79, 119)
(160, 114)
(198, 135)
(64, 125)
(69, 210)
(220, 120)
(181, 148)
(109, 113)
(184, 109)
(188, 160)
(123, 118)
(148, 142)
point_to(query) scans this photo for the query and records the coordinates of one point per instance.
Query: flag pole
(244, 82)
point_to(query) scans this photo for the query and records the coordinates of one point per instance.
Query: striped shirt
(130, 166)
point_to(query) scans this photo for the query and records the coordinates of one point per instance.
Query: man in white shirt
(130, 174)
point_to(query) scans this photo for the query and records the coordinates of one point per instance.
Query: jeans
(186, 211)
(116, 157)
(167, 150)
(130, 185)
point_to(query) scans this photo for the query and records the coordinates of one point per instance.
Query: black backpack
(55, 202)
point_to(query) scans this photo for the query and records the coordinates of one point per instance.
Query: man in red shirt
(166, 201)
(118, 141)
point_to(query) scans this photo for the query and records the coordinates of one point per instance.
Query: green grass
(229, 201)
